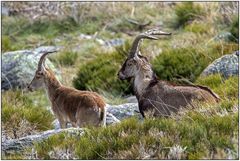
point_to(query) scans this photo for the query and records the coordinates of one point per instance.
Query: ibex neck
(142, 81)
(52, 84)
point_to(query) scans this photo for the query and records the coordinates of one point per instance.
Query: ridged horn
(146, 35)
(42, 59)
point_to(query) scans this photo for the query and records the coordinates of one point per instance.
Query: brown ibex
(80, 108)
(155, 95)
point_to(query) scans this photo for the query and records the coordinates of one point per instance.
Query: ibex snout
(121, 76)
(29, 88)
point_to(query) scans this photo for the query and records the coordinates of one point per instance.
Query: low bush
(227, 89)
(101, 73)
(195, 135)
(234, 29)
(20, 117)
(188, 62)
(186, 12)
(6, 44)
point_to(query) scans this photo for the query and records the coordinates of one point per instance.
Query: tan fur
(80, 108)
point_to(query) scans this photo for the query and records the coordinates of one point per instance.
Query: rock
(12, 145)
(110, 119)
(18, 67)
(132, 99)
(124, 111)
(226, 65)
(5, 11)
(226, 36)
(114, 42)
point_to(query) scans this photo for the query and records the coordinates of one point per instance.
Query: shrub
(197, 27)
(187, 11)
(234, 29)
(6, 44)
(199, 134)
(101, 73)
(227, 89)
(184, 62)
(66, 58)
(188, 62)
(21, 117)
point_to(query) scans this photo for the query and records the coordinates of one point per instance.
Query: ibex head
(135, 60)
(40, 73)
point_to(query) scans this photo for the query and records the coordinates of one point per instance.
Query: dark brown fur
(164, 98)
(156, 96)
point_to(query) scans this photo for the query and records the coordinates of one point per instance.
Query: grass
(207, 132)
(152, 138)
(21, 117)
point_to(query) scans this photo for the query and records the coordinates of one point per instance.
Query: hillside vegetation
(201, 33)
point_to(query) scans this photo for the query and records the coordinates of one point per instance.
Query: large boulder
(226, 65)
(18, 67)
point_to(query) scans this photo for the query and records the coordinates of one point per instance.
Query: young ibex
(156, 95)
(80, 108)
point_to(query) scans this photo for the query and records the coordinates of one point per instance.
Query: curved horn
(42, 59)
(146, 35)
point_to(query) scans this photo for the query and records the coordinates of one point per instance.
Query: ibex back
(80, 108)
(154, 95)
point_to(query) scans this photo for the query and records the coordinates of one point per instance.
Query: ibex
(153, 94)
(69, 105)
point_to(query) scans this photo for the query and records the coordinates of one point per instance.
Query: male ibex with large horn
(80, 108)
(155, 95)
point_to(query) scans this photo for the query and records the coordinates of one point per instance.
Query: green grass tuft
(20, 116)
(187, 12)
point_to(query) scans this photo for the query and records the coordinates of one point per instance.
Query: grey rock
(110, 119)
(18, 67)
(114, 42)
(124, 111)
(226, 36)
(226, 65)
(5, 11)
(9, 146)
(132, 99)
